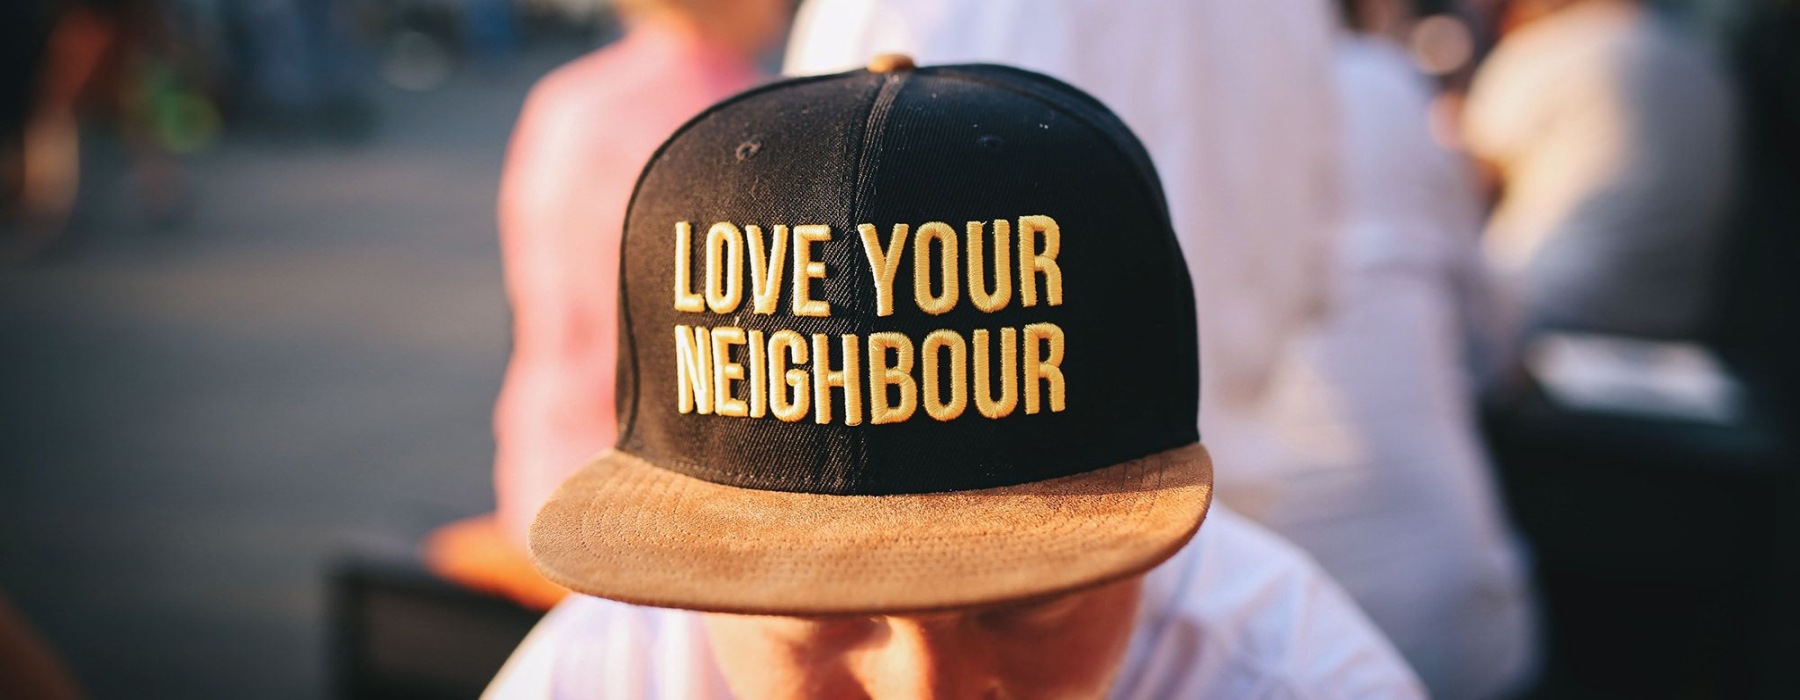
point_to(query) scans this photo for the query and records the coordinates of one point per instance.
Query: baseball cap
(894, 340)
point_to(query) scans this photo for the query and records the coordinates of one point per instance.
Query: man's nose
(936, 659)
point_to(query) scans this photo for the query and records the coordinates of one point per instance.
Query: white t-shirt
(1237, 614)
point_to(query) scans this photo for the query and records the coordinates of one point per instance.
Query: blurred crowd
(168, 79)
(1395, 212)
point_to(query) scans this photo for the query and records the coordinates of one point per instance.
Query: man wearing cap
(907, 395)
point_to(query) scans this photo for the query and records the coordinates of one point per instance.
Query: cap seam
(1139, 157)
(868, 163)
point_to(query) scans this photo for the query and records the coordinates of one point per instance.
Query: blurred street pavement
(194, 422)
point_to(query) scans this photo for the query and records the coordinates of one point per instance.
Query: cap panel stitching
(868, 162)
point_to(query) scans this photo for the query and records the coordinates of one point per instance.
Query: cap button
(891, 63)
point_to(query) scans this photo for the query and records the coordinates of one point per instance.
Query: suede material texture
(627, 530)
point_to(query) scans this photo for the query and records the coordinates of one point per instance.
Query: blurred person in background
(1350, 429)
(585, 133)
(292, 67)
(1610, 134)
(24, 29)
(488, 28)
(78, 59)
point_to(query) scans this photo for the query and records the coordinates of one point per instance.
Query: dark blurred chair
(1669, 552)
(1665, 550)
(398, 631)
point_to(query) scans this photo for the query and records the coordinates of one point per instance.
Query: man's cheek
(1080, 659)
(1068, 671)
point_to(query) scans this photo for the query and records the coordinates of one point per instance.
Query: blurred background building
(253, 324)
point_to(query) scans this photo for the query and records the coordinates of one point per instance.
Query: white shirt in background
(1237, 614)
(1370, 458)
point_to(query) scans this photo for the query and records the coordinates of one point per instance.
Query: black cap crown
(939, 279)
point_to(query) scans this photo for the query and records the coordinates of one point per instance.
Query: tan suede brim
(624, 529)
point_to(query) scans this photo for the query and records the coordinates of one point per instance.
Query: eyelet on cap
(891, 63)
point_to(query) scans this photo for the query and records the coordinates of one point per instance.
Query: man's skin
(1070, 646)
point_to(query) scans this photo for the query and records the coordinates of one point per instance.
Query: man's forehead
(1039, 604)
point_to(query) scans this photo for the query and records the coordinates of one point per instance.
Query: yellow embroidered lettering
(1009, 370)
(725, 372)
(1032, 262)
(759, 381)
(946, 238)
(898, 375)
(883, 262)
(848, 377)
(937, 341)
(724, 279)
(790, 374)
(686, 299)
(1038, 367)
(978, 291)
(765, 271)
(806, 270)
(693, 370)
(784, 347)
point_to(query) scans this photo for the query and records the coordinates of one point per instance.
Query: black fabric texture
(952, 144)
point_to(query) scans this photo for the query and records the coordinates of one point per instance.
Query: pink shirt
(584, 135)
